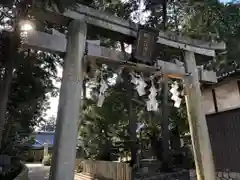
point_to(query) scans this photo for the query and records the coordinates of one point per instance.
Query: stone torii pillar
(69, 107)
(202, 150)
(64, 154)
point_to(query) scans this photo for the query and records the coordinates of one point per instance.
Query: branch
(122, 46)
(139, 102)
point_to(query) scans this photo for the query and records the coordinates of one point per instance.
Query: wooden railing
(106, 169)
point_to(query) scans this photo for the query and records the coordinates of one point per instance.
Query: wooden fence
(106, 169)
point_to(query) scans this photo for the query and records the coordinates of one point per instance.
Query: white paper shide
(152, 104)
(140, 84)
(101, 96)
(175, 94)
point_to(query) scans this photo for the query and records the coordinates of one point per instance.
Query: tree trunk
(178, 158)
(175, 139)
(10, 49)
(5, 87)
(164, 127)
(6, 132)
(131, 117)
(164, 6)
(132, 126)
(131, 113)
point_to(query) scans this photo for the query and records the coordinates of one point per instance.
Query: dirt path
(40, 172)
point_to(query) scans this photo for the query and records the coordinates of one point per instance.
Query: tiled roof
(226, 69)
(227, 74)
(43, 137)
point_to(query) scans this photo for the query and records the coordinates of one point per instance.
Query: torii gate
(63, 162)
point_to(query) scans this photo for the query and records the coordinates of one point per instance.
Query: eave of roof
(234, 74)
(228, 74)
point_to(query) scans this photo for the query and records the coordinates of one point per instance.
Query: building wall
(223, 128)
(207, 101)
(223, 120)
(227, 97)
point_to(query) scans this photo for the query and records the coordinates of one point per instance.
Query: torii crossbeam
(74, 46)
(58, 44)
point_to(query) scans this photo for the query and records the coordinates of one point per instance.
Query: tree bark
(175, 139)
(5, 87)
(10, 49)
(164, 127)
(132, 127)
(164, 6)
(6, 132)
(131, 114)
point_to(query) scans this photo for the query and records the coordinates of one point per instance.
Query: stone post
(45, 150)
(65, 140)
(197, 122)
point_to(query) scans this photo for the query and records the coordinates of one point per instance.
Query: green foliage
(34, 71)
(101, 126)
(48, 124)
(217, 21)
(31, 75)
(28, 98)
(80, 166)
(178, 118)
(11, 171)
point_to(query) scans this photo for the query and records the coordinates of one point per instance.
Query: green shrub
(47, 160)
(80, 167)
(12, 170)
